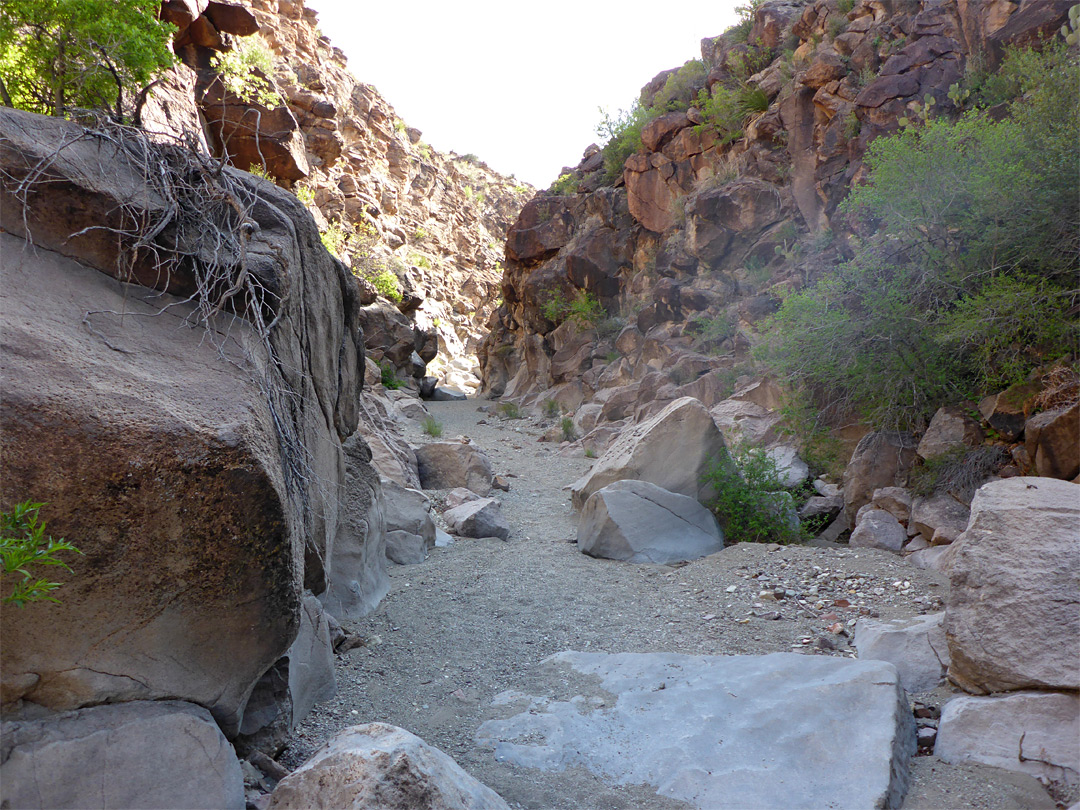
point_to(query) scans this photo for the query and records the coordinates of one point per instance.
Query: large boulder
(479, 518)
(381, 766)
(939, 518)
(915, 646)
(878, 461)
(723, 732)
(200, 470)
(877, 528)
(410, 529)
(1032, 732)
(637, 521)
(672, 450)
(951, 427)
(157, 755)
(445, 465)
(1013, 615)
(1052, 441)
(721, 220)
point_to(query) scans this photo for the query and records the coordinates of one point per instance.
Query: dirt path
(477, 618)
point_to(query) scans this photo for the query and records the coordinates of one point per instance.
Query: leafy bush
(334, 238)
(551, 408)
(750, 503)
(590, 453)
(566, 184)
(385, 283)
(584, 308)
(244, 70)
(432, 427)
(722, 113)
(306, 194)
(567, 426)
(389, 377)
(59, 55)
(24, 545)
(622, 138)
(509, 410)
(680, 89)
(966, 278)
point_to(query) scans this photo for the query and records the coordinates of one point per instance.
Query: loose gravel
(477, 617)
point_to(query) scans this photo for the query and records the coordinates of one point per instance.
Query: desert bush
(244, 71)
(432, 427)
(961, 470)
(389, 378)
(23, 547)
(509, 410)
(681, 88)
(750, 502)
(567, 426)
(551, 408)
(566, 184)
(622, 138)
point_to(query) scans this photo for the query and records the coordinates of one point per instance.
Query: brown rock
(878, 461)
(731, 214)
(232, 18)
(660, 130)
(544, 226)
(1007, 412)
(1052, 441)
(1029, 25)
(939, 518)
(445, 465)
(894, 500)
(826, 67)
(650, 198)
(884, 88)
(950, 428)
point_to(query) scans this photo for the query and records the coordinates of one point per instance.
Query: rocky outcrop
(445, 465)
(377, 765)
(98, 758)
(159, 438)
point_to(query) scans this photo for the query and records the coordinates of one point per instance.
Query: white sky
(517, 84)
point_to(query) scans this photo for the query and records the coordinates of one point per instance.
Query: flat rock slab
(772, 731)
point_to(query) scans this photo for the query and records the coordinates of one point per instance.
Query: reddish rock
(884, 88)
(826, 67)
(716, 219)
(1052, 441)
(878, 460)
(950, 428)
(1006, 412)
(544, 225)
(232, 18)
(658, 131)
(650, 198)
(1032, 23)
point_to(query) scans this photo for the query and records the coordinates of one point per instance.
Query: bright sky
(517, 84)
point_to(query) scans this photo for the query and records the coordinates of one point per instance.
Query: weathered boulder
(894, 500)
(1006, 412)
(381, 766)
(155, 754)
(1032, 732)
(410, 529)
(879, 459)
(479, 518)
(637, 521)
(718, 219)
(1052, 441)
(672, 450)
(950, 428)
(779, 718)
(916, 647)
(792, 469)
(877, 528)
(939, 518)
(1013, 615)
(745, 421)
(445, 465)
(200, 471)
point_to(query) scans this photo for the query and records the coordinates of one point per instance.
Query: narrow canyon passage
(477, 617)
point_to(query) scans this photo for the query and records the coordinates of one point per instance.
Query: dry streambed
(477, 618)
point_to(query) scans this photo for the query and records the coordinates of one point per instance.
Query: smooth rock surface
(879, 459)
(1032, 732)
(158, 755)
(381, 767)
(445, 465)
(718, 732)
(916, 647)
(410, 529)
(637, 521)
(939, 516)
(672, 450)
(479, 518)
(1013, 615)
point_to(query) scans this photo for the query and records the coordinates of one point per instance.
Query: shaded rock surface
(640, 522)
(446, 465)
(479, 518)
(724, 731)
(916, 647)
(159, 755)
(381, 766)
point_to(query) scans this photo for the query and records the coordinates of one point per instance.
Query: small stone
(767, 596)
(731, 588)
(927, 737)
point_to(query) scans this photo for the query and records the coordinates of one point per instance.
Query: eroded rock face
(163, 451)
(378, 765)
(879, 459)
(637, 521)
(916, 647)
(99, 758)
(445, 465)
(1013, 615)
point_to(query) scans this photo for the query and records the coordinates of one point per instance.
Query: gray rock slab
(637, 521)
(406, 548)
(877, 528)
(915, 646)
(382, 767)
(446, 465)
(479, 518)
(1037, 733)
(774, 731)
(156, 755)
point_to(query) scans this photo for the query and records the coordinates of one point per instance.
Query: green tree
(23, 546)
(61, 55)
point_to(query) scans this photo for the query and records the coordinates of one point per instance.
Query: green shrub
(680, 89)
(961, 470)
(244, 69)
(722, 113)
(965, 277)
(432, 427)
(551, 408)
(306, 194)
(60, 55)
(389, 377)
(567, 426)
(333, 237)
(23, 546)
(622, 138)
(750, 100)
(751, 504)
(590, 453)
(509, 410)
(566, 184)
(584, 308)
